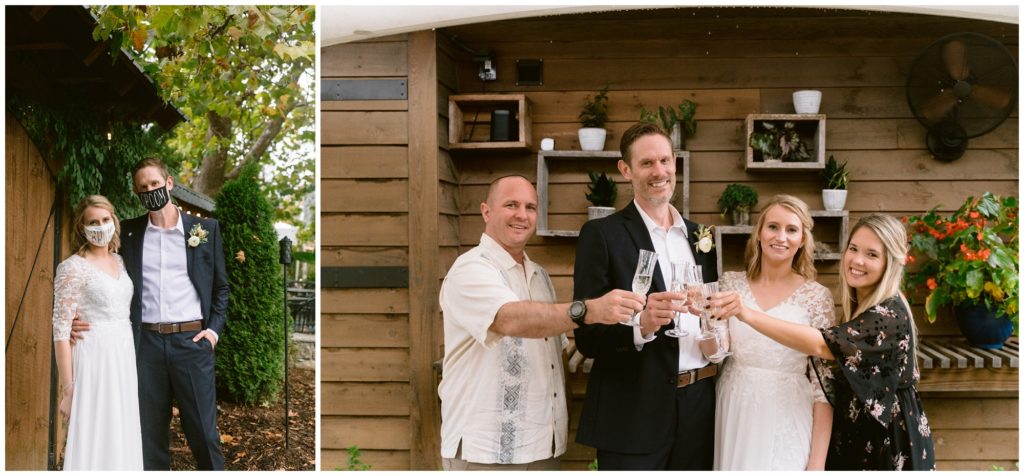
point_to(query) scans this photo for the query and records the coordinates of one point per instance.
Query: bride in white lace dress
(771, 413)
(99, 383)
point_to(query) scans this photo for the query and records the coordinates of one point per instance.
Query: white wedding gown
(104, 431)
(766, 391)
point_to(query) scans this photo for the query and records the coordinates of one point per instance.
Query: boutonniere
(704, 240)
(197, 235)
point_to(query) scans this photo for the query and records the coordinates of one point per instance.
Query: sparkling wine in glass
(714, 337)
(683, 276)
(642, 279)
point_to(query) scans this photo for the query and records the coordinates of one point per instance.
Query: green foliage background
(250, 356)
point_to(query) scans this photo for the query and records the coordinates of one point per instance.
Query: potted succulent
(593, 118)
(602, 193)
(836, 179)
(779, 143)
(678, 122)
(969, 261)
(737, 200)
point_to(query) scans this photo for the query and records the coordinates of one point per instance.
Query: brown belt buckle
(166, 328)
(686, 378)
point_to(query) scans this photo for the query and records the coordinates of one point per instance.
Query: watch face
(577, 309)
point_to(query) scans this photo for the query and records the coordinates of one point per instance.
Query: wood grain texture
(367, 162)
(364, 59)
(364, 330)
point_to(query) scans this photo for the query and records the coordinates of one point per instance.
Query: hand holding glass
(684, 276)
(642, 280)
(713, 340)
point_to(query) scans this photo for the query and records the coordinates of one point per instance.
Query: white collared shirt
(167, 292)
(672, 246)
(502, 397)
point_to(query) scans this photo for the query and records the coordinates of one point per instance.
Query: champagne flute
(714, 337)
(642, 280)
(683, 276)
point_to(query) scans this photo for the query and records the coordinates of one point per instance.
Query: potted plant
(779, 143)
(836, 178)
(678, 122)
(593, 117)
(602, 193)
(737, 200)
(969, 261)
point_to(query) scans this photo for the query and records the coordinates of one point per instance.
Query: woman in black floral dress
(867, 364)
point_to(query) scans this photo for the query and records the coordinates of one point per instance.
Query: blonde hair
(803, 261)
(79, 243)
(893, 236)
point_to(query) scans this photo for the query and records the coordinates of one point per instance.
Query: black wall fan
(963, 85)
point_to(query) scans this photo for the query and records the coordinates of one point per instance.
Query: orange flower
(909, 259)
(932, 284)
(981, 236)
(903, 219)
(974, 215)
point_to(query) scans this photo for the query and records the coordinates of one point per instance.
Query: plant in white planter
(807, 101)
(593, 117)
(836, 180)
(603, 192)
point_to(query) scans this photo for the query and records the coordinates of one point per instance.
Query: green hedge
(250, 356)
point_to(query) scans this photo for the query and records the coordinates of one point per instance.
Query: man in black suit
(650, 401)
(176, 262)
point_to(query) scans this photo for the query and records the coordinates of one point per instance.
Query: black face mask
(155, 199)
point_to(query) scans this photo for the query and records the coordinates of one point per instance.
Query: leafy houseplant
(968, 260)
(678, 122)
(779, 143)
(737, 200)
(603, 192)
(593, 118)
(836, 179)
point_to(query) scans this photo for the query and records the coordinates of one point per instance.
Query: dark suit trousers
(172, 366)
(692, 447)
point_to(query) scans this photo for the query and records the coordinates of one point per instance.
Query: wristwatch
(578, 312)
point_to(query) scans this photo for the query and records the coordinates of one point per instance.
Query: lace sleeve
(67, 287)
(822, 309)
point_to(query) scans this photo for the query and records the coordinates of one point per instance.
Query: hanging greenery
(96, 155)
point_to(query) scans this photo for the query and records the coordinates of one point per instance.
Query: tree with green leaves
(250, 355)
(242, 75)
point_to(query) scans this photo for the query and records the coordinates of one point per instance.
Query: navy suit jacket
(630, 396)
(206, 269)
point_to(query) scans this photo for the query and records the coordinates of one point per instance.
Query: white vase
(592, 138)
(599, 212)
(834, 200)
(807, 101)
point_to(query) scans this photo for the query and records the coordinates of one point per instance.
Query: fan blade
(997, 98)
(954, 56)
(936, 108)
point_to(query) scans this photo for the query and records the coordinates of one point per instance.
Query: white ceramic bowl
(807, 101)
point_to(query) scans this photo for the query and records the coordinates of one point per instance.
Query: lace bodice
(811, 304)
(95, 296)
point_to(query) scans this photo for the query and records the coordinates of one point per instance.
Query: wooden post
(424, 418)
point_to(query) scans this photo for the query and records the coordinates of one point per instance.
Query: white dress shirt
(672, 246)
(168, 294)
(502, 397)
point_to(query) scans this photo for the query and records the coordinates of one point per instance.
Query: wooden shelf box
(545, 157)
(469, 121)
(810, 126)
(843, 216)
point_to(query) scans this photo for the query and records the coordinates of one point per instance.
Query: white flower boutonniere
(197, 235)
(704, 240)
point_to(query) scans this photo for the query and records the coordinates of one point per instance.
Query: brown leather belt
(692, 376)
(173, 327)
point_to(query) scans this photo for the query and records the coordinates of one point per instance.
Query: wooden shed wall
(732, 62)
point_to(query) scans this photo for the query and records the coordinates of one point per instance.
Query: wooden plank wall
(732, 62)
(384, 179)
(29, 194)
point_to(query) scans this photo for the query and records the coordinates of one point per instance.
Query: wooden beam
(424, 416)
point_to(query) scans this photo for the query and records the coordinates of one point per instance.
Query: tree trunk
(211, 176)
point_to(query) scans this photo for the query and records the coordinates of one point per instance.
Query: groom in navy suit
(176, 262)
(650, 401)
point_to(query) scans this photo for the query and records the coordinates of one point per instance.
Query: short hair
(634, 133)
(494, 185)
(78, 240)
(150, 162)
(893, 236)
(803, 261)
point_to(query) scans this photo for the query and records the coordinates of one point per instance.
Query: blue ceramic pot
(981, 327)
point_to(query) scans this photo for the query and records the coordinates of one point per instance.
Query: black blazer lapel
(642, 239)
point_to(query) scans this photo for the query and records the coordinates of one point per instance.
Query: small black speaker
(504, 126)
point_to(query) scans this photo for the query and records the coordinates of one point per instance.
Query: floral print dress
(878, 422)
